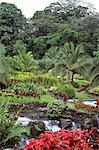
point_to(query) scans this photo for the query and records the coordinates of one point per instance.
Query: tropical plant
(48, 61)
(92, 74)
(26, 88)
(66, 89)
(27, 61)
(65, 140)
(8, 130)
(24, 62)
(46, 79)
(94, 71)
(4, 67)
(73, 59)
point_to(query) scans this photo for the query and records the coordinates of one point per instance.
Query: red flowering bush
(61, 140)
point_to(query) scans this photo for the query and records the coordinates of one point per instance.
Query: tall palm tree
(73, 58)
(4, 67)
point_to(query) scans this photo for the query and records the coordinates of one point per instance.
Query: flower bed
(63, 92)
(87, 108)
(65, 140)
(26, 88)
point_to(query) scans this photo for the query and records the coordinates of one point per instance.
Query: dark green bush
(55, 109)
(66, 89)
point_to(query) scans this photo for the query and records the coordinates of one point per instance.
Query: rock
(87, 123)
(24, 140)
(36, 128)
(76, 125)
(52, 125)
(24, 121)
(95, 121)
(8, 149)
(66, 123)
(91, 122)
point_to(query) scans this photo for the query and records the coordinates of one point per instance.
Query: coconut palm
(73, 59)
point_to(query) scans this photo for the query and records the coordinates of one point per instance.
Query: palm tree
(27, 61)
(74, 59)
(4, 67)
(94, 74)
(94, 70)
(48, 61)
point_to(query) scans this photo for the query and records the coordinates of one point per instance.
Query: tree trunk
(72, 79)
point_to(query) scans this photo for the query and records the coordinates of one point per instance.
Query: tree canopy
(66, 21)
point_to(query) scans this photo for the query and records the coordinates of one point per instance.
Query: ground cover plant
(94, 90)
(65, 140)
(63, 92)
(45, 79)
(17, 75)
(66, 89)
(26, 88)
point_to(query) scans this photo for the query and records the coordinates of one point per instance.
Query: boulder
(66, 123)
(36, 128)
(91, 122)
(95, 121)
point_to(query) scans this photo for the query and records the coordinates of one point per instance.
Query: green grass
(81, 96)
(72, 106)
(46, 98)
(26, 99)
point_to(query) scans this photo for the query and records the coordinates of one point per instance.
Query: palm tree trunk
(72, 78)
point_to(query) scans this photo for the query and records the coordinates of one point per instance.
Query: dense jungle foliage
(63, 38)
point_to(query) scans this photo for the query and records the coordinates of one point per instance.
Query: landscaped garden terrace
(44, 112)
